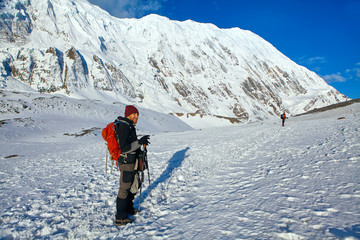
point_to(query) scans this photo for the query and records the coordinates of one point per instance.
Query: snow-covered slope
(197, 72)
(42, 117)
(251, 181)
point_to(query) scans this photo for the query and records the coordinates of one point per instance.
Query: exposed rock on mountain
(192, 70)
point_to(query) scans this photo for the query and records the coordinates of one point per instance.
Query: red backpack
(108, 133)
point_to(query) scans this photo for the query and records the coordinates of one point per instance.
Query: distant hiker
(283, 117)
(130, 150)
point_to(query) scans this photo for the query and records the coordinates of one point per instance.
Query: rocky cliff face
(188, 69)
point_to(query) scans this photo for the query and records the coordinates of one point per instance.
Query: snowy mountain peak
(155, 17)
(196, 71)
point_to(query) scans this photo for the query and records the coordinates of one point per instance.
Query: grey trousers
(126, 179)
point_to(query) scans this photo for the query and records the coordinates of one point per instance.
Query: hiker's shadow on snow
(346, 233)
(174, 162)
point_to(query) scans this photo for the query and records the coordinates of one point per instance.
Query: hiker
(130, 150)
(283, 117)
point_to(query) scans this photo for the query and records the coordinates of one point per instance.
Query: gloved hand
(144, 140)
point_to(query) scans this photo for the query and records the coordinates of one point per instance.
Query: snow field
(271, 182)
(254, 181)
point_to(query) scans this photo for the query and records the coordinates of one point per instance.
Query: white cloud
(357, 70)
(312, 61)
(129, 8)
(334, 78)
(354, 73)
(316, 69)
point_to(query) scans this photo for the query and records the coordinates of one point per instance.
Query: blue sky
(322, 35)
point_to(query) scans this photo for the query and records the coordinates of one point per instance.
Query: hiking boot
(119, 222)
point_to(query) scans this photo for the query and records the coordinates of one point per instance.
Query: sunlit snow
(251, 181)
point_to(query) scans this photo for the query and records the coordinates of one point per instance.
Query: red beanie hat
(129, 109)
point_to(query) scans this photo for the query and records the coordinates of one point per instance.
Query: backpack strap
(116, 122)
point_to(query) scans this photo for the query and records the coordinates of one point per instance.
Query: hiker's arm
(134, 146)
(123, 133)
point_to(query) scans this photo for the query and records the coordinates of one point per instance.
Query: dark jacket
(126, 135)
